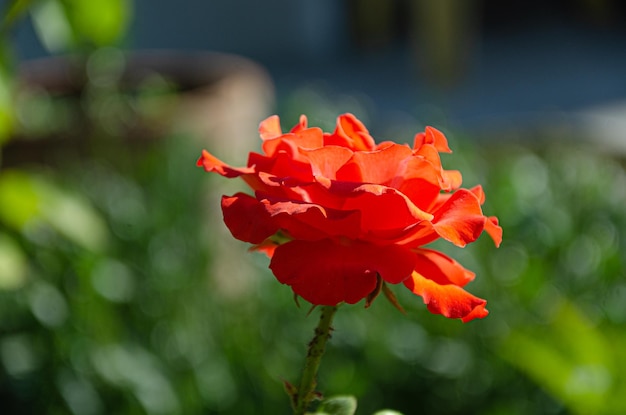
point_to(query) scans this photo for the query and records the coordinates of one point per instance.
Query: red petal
(448, 300)
(325, 161)
(452, 180)
(302, 124)
(491, 224)
(433, 137)
(328, 273)
(441, 269)
(213, 164)
(479, 192)
(281, 165)
(291, 142)
(350, 133)
(495, 231)
(420, 181)
(311, 222)
(384, 209)
(378, 167)
(247, 219)
(350, 125)
(460, 219)
(267, 247)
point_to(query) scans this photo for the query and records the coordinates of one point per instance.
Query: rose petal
(449, 300)
(247, 218)
(495, 231)
(210, 163)
(267, 247)
(350, 133)
(383, 209)
(441, 269)
(302, 124)
(325, 161)
(350, 125)
(433, 137)
(281, 165)
(479, 192)
(460, 219)
(420, 181)
(452, 180)
(270, 128)
(308, 221)
(378, 167)
(291, 142)
(327, 273)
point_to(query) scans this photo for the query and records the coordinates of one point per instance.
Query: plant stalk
(306, 390)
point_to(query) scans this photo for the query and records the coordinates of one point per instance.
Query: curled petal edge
(450, 300)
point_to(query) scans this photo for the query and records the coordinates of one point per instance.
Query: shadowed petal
(327, 273)
(384, 209)
(310, 222)
(247, 218)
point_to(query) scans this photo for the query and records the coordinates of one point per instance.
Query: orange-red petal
(441, 269)
(494, 230)
(380, 166)
(450, 300)
(384, 210)
(326, 272)
(210, 163)
(460, 219)
(270, 128)
(350, 133)
(291, 142)
(326, 161)
(433, 137)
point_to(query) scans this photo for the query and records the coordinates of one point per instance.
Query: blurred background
(122, 292)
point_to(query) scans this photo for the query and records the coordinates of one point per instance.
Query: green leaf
(388, 412)
(338, 405)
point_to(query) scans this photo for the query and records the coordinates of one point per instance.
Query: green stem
(306, 392)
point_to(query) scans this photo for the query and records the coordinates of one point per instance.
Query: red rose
(339, 215)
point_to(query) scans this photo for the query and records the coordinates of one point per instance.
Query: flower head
(339, 214)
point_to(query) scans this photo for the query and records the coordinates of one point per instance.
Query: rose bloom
(341, 216)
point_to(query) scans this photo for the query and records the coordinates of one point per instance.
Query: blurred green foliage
(139, 321)
(62, 26)
(110, 301)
